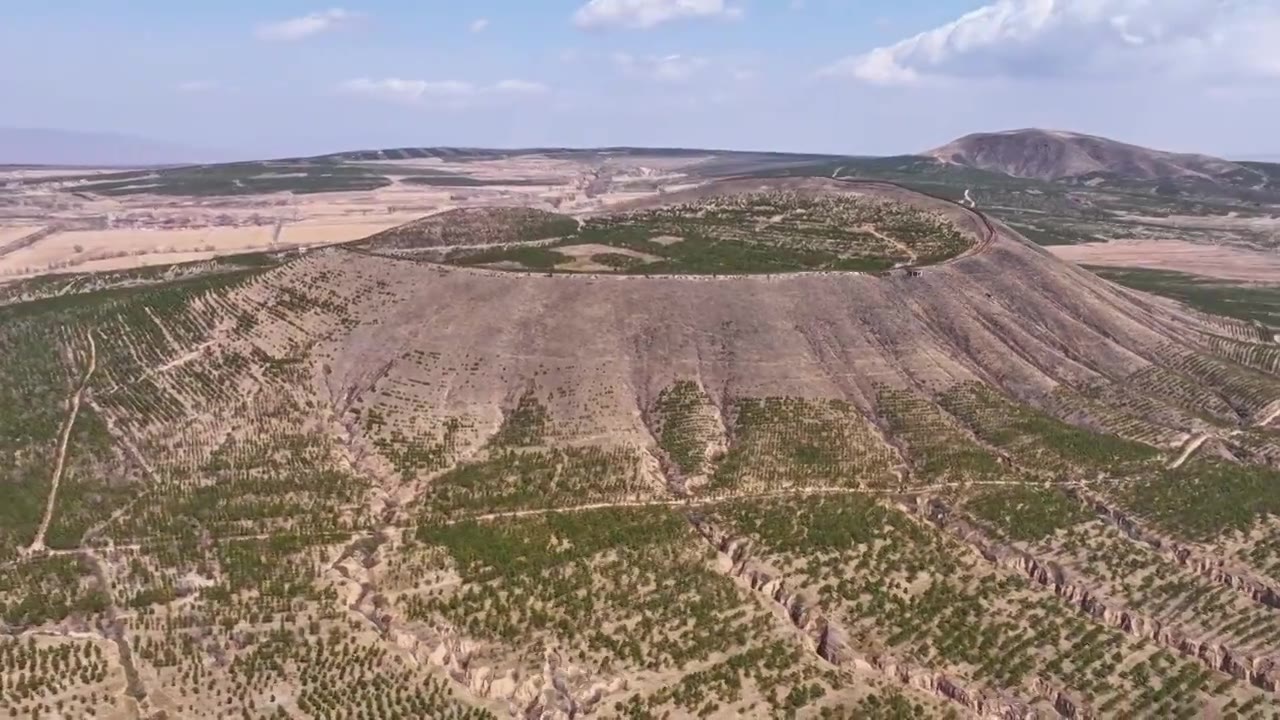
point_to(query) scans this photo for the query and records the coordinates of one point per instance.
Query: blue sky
(853, 76)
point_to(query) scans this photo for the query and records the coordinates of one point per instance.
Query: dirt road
(73, 411)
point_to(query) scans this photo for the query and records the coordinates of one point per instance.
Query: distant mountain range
(1031, 154)
(43, 146)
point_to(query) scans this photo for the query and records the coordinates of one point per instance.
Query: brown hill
(1054, 155)
(598, 349)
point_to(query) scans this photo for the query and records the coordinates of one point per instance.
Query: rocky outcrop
(1213, 569)
(558, 691)
(1262, 672)
(829, 642)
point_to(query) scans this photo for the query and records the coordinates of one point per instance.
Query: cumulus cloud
(1055, 38)
(307, 25)
(448, 93)
(644, 14)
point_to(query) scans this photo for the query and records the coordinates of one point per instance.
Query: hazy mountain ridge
(68, 148)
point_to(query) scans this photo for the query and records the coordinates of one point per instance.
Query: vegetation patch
(1253, 302)
(686, 426)
(471, 227)
(512, 480)
(620, 588)
(763, 232)
(1203, 498)
(938, 448)
(1024, 512)
(781, 443)
(246, 178)
(1039, 441)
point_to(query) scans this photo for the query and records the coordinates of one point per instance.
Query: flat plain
(1224, 262)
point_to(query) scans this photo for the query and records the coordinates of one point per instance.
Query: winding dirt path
(773, 494)
(37, 544)
(1189, 449)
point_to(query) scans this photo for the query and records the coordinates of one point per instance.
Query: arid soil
(119, 232)
(1220, 261)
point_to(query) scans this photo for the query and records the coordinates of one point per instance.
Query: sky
(283, 77)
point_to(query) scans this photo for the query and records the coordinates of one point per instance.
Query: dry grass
(10, 233)
(135, 230)
(67, 250)
(327, 231)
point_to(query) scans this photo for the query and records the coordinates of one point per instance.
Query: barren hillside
(1053, 155)
(972, 480)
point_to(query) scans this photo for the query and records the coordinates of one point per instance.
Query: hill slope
(1054, 155)
(995, 486)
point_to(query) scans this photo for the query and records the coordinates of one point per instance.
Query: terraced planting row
(1131, 575)
(625, 593)
(897, 588)
(631, 588)
(1230, 392)
(792, 444)
(939, 448)
(1256, 353)
(519, 480)
(1039, 442)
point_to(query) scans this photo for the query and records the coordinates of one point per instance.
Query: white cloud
(479, 25)
(448, 93)
(644, 14)
(408, 91)
(307, 25)
(520, 87)
(1206, 39)
(665, 68)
